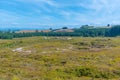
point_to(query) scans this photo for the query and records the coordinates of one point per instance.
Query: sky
(35, 13)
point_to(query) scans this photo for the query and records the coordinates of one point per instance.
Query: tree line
(84, 31)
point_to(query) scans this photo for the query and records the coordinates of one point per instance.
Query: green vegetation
(84, 31)
(60, 58)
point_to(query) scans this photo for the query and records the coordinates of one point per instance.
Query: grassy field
(60, 58)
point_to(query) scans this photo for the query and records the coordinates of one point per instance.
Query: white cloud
(99, 11)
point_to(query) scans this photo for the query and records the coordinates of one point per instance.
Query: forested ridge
(84, 31)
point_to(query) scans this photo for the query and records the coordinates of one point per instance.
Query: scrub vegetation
(60, 58)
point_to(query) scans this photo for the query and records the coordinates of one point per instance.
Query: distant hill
(31, 31)
(56, 30)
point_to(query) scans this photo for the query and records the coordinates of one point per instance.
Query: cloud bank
(59, 12)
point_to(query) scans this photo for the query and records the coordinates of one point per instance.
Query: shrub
(89, 72)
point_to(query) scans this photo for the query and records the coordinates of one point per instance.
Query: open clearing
(60, 58)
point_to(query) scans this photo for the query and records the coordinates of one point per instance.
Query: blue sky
(58, 12)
